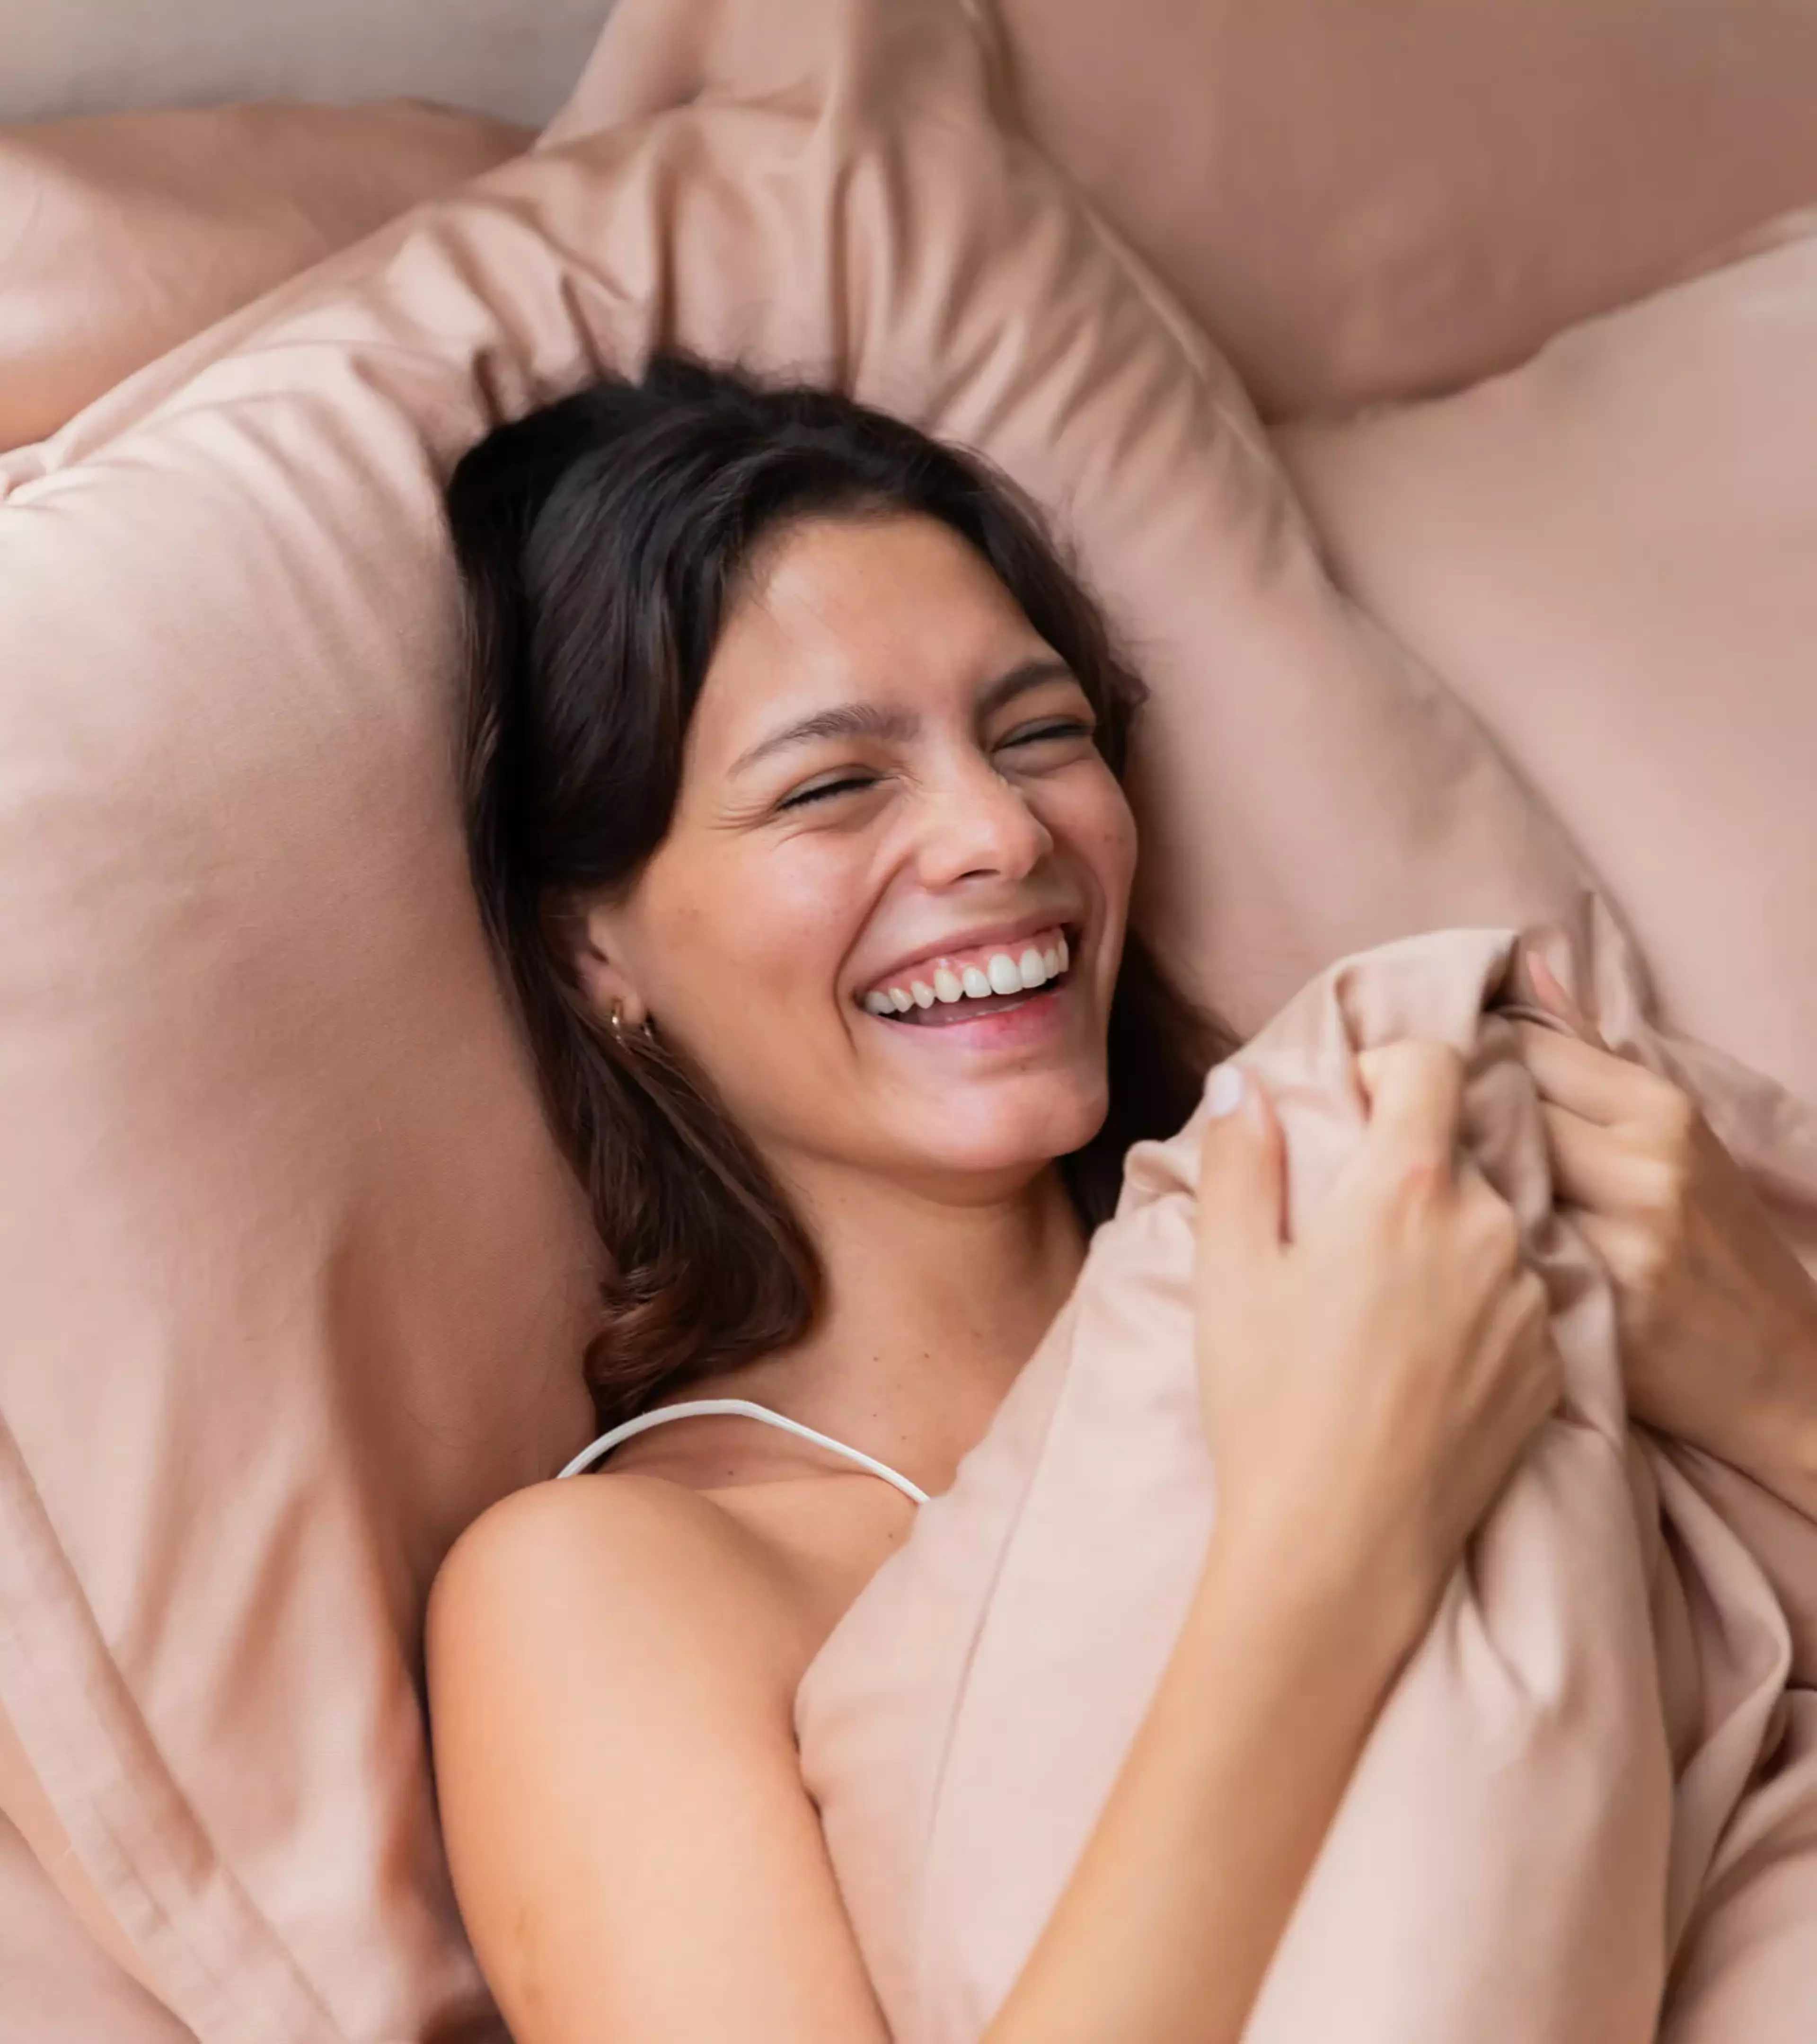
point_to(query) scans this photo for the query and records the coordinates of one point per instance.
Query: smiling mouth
(940, 992)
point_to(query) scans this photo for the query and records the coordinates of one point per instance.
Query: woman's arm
(1175, 1910)
(1366, 1391)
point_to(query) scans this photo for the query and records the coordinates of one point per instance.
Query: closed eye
(1049, 731)
(845, 785)
(1054, 728)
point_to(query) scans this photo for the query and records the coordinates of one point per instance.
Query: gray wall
(516, 58)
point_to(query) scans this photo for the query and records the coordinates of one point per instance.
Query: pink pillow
(276, 1197)
(122, 235)
(1608, 556)
(1369, 202)
(1598, 1768)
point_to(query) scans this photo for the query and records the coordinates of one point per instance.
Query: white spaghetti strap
(594, 1450)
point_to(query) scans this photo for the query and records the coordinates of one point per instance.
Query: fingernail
(1224, 1094)
(1539, 970)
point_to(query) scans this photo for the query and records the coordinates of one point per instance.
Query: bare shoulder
(612, 1664)
(763, 1570)
(617, 1555)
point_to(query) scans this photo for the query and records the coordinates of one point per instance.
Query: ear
(593, 937)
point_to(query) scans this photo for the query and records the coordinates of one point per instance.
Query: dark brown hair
(601, 541)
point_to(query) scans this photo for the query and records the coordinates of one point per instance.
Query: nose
(979, 826)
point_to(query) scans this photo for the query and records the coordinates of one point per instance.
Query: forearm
(1776, 1442)
(1177, 1903)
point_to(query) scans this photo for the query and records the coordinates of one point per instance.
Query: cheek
(745, 948)
(1089, 815)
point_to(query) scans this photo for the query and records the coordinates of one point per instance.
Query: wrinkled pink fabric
(1589, 1810)
(123, 234)
(1366, 203)
(1607, 555)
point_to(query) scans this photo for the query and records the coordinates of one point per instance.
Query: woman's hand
(1717, 1318)
(1368, 1388)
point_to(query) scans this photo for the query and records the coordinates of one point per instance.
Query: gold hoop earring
(617, 1017)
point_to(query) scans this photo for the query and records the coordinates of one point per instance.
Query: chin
(1019, 1140)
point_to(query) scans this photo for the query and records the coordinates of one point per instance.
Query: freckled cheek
(1092, 822)
(768, 936)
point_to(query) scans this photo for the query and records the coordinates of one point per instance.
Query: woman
(795, 818)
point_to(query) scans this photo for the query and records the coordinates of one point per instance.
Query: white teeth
(1000, 975)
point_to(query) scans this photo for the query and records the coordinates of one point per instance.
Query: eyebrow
(862, 719)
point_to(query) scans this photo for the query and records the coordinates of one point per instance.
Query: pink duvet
(1588, 1812)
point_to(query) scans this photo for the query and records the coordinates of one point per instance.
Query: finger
(1547, 984)
(1519, 1323)
(1554, 994)
(1590, 1167)
(1541, 1381)
(1520, 1339)
(1481, 1202)
(1590, 1081)
(1416, 1090)
(1242, 1175)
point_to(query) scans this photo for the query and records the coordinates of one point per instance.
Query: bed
(1432, 409)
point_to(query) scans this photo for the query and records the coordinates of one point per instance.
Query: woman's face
(887, 918)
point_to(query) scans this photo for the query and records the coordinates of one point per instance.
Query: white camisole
(607, 1442)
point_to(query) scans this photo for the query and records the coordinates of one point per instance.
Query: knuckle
(1430, 1059)
(1661, 1192)
(1419, 1177)
(1671, 1182)
(1414, 1055)
(1672, 1109)
(1624, 1257)
(1446, 1060)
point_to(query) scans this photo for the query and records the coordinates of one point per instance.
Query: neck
(931, 1307)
